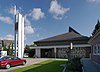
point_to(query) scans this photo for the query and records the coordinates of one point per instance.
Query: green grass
(46, 66)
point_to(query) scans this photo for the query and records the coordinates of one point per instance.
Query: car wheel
(7, 66)
(24, 63)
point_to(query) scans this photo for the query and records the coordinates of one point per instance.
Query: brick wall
(96, 58)
(95, 41)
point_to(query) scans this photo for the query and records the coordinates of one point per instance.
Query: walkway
(90, 66)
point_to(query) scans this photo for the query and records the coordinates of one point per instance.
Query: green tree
(4, 48)
(97, 26)
(27, 47)
(2, 43)
(11, 52)
(34, 45)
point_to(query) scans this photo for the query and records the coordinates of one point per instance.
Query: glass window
(3, 58)
(16, 58)
(99, 48)
(11, 58)
(95, 50)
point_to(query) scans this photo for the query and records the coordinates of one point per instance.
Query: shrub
(31, 52)
(74, 65)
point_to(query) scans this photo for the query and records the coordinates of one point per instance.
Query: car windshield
(3, 58)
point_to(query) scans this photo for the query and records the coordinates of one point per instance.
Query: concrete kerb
(82, 65)
(64, 67)
(82, 69)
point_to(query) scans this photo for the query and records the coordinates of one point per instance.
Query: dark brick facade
(96, 58)
(95, 42)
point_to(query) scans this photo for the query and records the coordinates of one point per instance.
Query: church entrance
(47, 53)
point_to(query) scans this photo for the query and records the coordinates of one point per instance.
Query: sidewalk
(90, 66)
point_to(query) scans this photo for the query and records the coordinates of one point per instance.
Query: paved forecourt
(30, 61)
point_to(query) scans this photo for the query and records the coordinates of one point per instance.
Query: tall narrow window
(99, 48)
(95, 49)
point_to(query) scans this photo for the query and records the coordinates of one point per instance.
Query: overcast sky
(46, 18)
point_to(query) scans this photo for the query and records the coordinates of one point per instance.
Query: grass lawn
(46, 66)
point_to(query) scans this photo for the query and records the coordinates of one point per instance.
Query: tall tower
(19, 34)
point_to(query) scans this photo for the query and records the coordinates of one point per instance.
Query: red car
(8, 61)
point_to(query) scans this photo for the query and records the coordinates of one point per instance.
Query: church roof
(71, 35)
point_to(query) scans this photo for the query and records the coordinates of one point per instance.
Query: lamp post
(71, 46)
(55, 52)
(68, 51)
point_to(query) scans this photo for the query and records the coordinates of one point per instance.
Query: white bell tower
(19, 34)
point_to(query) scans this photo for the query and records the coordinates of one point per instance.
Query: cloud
(58, 18)
(93, 0)
(1, 38)
(37, 14)
(7, 37)
(6, 19)
(13, 10)
(57, 10)
(28, 28)
(25, 38)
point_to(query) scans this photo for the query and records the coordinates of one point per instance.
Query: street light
(68, 51)
(71, 46)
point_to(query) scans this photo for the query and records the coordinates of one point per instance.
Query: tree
(4, 48)
(10, 50)
(33, 44)
(2, 43)
(97, 26)
(27, 47)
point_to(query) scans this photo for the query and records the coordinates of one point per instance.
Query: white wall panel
(37, 52)
(19, 35)
(22, 36)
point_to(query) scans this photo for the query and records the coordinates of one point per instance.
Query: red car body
(8, 61)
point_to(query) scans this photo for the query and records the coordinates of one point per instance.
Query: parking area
(30, 61)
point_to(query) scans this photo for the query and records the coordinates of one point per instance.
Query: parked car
(8, 61)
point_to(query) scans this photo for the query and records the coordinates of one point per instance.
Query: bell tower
(19, 34)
